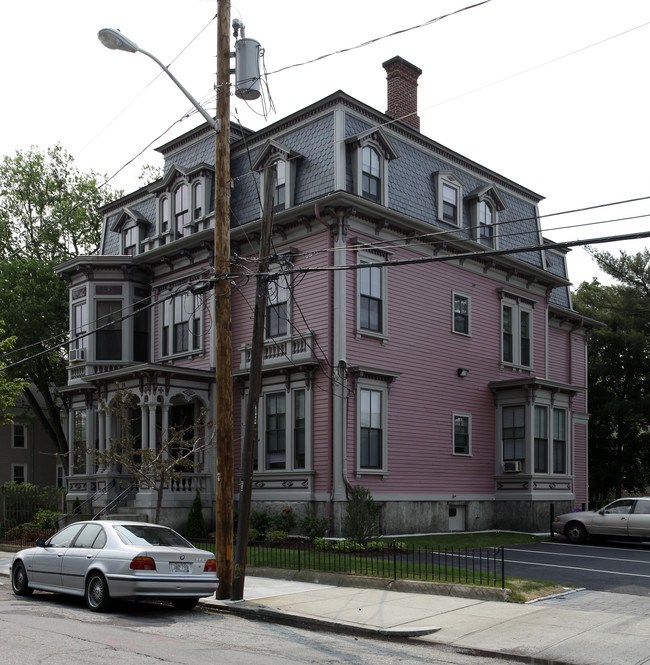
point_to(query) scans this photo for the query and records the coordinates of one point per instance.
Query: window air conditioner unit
(512, 466)
(77, 355)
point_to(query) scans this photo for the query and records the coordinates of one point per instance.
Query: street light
(115, 40)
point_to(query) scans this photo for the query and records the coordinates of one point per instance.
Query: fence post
(503, 567)
(552, 518)
(394, 562)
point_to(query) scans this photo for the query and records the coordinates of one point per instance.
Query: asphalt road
(615, 567)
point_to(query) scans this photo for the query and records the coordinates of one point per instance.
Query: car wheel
(19, 582)
(184, 603)
(97, 597)
(575, 533)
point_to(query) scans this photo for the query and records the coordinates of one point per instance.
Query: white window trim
(458, 294)
(381, 387)
(455, 415)
(517, 306)
(138, 239)
(167, 300)
(448, 178)
(364, 257)
(19, 466)
(289, 427)
(275, 268)
(476, 225)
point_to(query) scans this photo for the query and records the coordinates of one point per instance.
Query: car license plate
(180, 567)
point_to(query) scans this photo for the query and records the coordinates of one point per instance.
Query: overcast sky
(552, 94)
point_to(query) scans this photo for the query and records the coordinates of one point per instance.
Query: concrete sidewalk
(582, 628)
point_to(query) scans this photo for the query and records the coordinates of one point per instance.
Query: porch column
(90, 441)
(152, 425)
(101, 434)
(165, 426)
(144, 425)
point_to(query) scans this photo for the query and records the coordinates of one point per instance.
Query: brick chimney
(402, 79)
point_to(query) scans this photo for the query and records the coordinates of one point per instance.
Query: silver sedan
(105, 559)
(627, 519)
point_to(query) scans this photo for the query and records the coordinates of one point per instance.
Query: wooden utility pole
(222, 329)
(254, 387)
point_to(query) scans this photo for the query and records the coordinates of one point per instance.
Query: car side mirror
(40, 542)
(601, 511)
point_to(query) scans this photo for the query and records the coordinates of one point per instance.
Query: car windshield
(136, 534)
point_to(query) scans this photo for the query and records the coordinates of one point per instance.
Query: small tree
(195, 521)
(155, 468)
(361, 522)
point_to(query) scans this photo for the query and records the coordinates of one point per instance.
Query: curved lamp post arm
(115, 40)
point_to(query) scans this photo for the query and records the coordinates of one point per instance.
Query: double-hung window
(513, 432)
(164, 215)
(462, 434)
(461, 314)
(277, 307)
(449, 195)
(559, 441)
(486, 224)
(280, 195)
(516, 333)
(79, 325)
(541, 439)
(370, 174)
(372, 315)
(108, 333)
(181, 324)
(197, 200)
(131, 237)
(284, 430)
(19, 436)
(371, 434)
(181, 209)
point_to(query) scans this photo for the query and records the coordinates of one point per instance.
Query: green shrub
(321, 544)
(277, 537)
(285, 520)
(196, 527)
(347, 546)
(313, 526)
(260, 521)
(253, 535)
(46, 519)
(361, 522)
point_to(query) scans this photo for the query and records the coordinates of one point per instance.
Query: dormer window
(449, 193)
(285, 162)
(485, 205)
(280, 197)
(131, 241)
(181, 209)
(370, 154)
(164, 215)
(370, 175)
(486, 230)
(197, 200)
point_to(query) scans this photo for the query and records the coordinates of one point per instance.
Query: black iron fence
(482, 567)
(19, 537)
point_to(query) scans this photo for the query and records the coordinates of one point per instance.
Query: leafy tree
(10, 389)
(49, 213)
(361, 521)
(619, 365)
(153, 468)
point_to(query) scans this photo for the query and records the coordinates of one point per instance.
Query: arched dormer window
(130, 225)
(164, 215)
(485, 205)
(181, 209)
(449, 195)
(197, 200)
(370, 154)
(370, 174)
(285, 162)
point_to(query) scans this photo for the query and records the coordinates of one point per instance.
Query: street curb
(251, 610)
